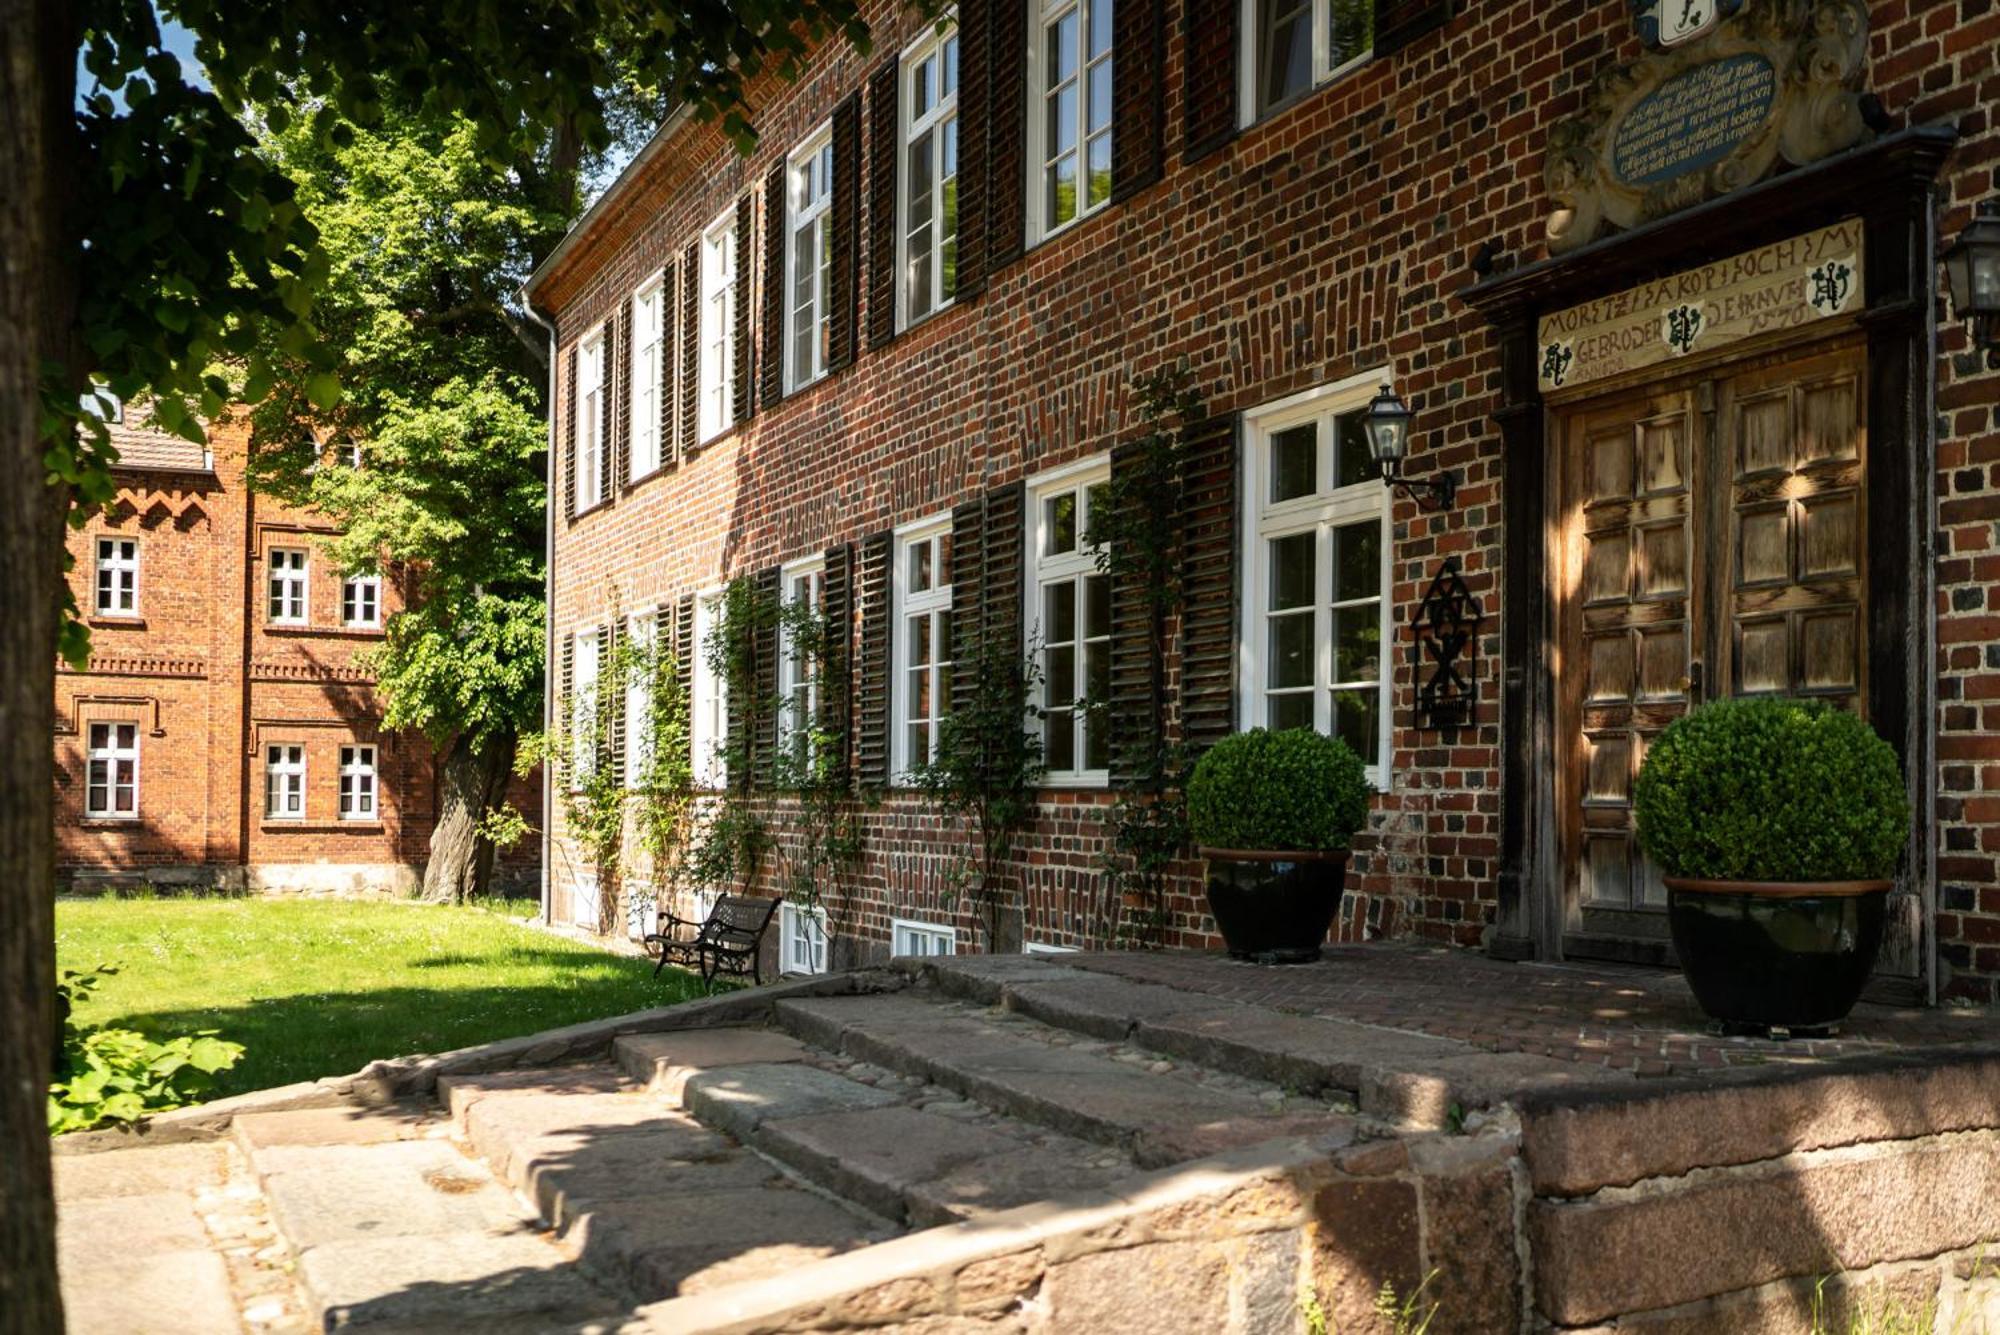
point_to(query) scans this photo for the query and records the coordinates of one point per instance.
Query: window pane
(1097, 605)
(1097, 672)
(1060, 665)
(1357, 561)
(1291, 711)
(1287, 50)
(1356, 722)
(1292, 571)
(1100, 96)
(1099, 182)
(1100, 27)
(920, 180)
(1062, 190)
(1351, 29)
(1357, 643)
(1062, 121)
(1059, 613)
(920, 639)
(1059, 741)
(1291, 650)
(1295, 462)
(1062, 49)
(1059, 524)
(1352, 462)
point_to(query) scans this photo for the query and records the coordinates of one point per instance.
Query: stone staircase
(692, 1165)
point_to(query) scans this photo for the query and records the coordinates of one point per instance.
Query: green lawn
(321, 987)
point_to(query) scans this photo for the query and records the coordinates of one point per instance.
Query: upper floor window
(361, 601)
(1317, 572)
(718, 324)
(1069, 621)
(357, 783)
(798, 667)
(583, 722)
(1294, 45)
(809, 261)
(648, 361)
(590, 422)
(930, 189)
(285, 782)
(922, 640)
(118, 577)
(111, 784)
(288, 586)
(1069, 120)
(708, 697)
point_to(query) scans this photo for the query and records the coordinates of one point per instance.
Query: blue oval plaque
(1693, 120)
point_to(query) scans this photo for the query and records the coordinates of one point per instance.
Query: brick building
(883, 361)
(224, 732)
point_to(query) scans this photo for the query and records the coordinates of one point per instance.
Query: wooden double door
(1711, 540)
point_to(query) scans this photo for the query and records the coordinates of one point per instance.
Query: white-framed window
(1069, 112)
(357, 783)
(288, 586)
(285, 781)
(361, 601)
(591, 421)
(586, 904)
(930, 174)
(1045, 948)
(922, 639)
(809, 259)
(111, 779)
(803, 591)
(1293, 46)
(718, 325)
(1316, 571)
(801, 939)
(648, 378)
(117, 577)
(708, 697)
(642, 632)
(583, 725)
(1069, 622)
(908, 936)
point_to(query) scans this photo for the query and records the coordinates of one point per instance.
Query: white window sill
(1085, 780)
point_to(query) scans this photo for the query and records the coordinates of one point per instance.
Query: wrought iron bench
(726, 942)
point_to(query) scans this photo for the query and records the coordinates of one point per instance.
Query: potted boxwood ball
(1777, 824)
(1274, 813)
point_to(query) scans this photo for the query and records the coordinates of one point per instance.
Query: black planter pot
(1763, 955)
(1274, 908)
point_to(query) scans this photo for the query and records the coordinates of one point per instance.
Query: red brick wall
(211, 682)
(1329, 239)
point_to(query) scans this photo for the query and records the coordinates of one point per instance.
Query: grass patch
(321, 987)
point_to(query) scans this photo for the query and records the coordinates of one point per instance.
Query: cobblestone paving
(1640, 1020)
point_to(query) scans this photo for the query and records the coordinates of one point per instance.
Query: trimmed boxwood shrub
(1290, 791)
(1771, 790)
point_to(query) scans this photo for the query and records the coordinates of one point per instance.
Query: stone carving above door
(1776, 82)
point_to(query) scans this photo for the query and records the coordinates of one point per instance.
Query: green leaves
(322, 390)
(120, 1075)
(1771, 789)
(1295, 790)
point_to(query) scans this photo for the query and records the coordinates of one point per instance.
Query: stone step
(642, 1193)
(395, 1232)
(1155, 1112)
(1408, 1079)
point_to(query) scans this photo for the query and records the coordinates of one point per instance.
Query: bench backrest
(738, 920)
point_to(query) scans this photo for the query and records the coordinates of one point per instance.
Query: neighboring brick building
(776, 367)
(224, 732)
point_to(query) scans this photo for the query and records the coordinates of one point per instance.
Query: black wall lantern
(1972, 266)
(1389, 440)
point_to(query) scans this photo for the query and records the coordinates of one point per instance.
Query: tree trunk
(472, 782)
(38, 285)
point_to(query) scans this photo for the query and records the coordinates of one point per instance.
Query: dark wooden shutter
(610, 703)
(1400, 22)
(767, 642)
(1132, 709)
(689, 408)
(672, 285)
(987, 555)
(620, 399)
(742, 389)
(836, 675)
(968, 567)
(1208, 620)
(884, 90)
(565, 699)
(1006, 134)
(569, 434)
(1138, 96)
(844, 282)
(872, 743)
(975, 54)
(771, 379)
(1210, 53)
(676, 636)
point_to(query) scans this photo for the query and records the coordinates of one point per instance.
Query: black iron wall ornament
(1444, 651)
